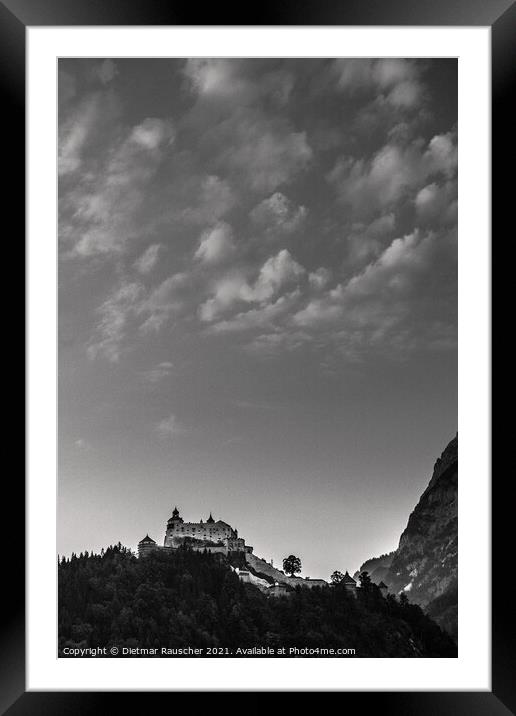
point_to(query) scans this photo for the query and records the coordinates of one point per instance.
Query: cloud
(276, 273)
(320, 278)
(366, 241)
(261, 150)
(183, 228)
(115, 313)
(395, 81)
(393, 173)
(266, 315)
(75, 132)
(148, 260)
(169, 427)
(213, 197)
(269, 345)
(216, 244)
(107, 71)
(131, 309)
(437, 203)
(395, 304)
(99, 214)
(151, 133)
(277, 214)
(158, 373)
(230, 80)
(163, 302)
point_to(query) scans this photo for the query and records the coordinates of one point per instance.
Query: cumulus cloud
(107, 71)
(393, 173)
(394, 302)
(262, 150)
(277, 214)
(320, 278)
(367, 240)
(228, 80)
(214, 77)
(276, 273)
(437, 203)
(148, 260)
(213, 198)
(98, 214)
(184, 227)
(397, 81)
(265, 315)
(216, 244)
(75, 132)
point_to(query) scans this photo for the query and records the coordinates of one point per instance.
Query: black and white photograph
(257, 358)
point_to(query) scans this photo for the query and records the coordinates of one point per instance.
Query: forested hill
(191, 599)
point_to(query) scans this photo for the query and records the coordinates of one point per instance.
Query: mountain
(424, 565)
(177, 599)
(377, 567)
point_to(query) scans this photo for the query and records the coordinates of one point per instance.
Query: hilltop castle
(219, 537)
(212, 536)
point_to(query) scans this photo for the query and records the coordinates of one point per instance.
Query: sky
(257, 299)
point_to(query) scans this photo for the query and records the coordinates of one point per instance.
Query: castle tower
(210, 519)
(175, 520)
(173, 527)
(146, 545)
(350, 584)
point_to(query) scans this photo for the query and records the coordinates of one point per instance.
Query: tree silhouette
(291, 565)
(404, 600)
(337, 577)
(182, 597)
(365, 581)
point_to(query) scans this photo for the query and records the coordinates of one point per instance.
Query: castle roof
(147, 540)
(348, 579)
(382, 585)
(210, 519)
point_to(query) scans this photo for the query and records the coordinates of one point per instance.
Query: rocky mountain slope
(425, 563)
(377, 567)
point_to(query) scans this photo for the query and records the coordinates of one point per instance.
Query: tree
(365, 581)
(291, 565)
(404, 600)
(336, 577)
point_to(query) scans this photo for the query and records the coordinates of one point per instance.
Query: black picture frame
(15, 17)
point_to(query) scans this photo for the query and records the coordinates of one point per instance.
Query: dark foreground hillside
(190, 599)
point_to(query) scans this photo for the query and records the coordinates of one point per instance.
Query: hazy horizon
(257, 299)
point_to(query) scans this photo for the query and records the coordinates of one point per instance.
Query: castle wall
(212, 549)
(214, 532)
(217, 537)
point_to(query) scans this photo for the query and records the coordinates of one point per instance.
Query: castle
(219, 537)
(212, 536)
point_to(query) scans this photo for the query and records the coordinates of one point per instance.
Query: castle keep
(212, 536)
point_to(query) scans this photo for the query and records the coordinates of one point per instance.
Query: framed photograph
(258, 262)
